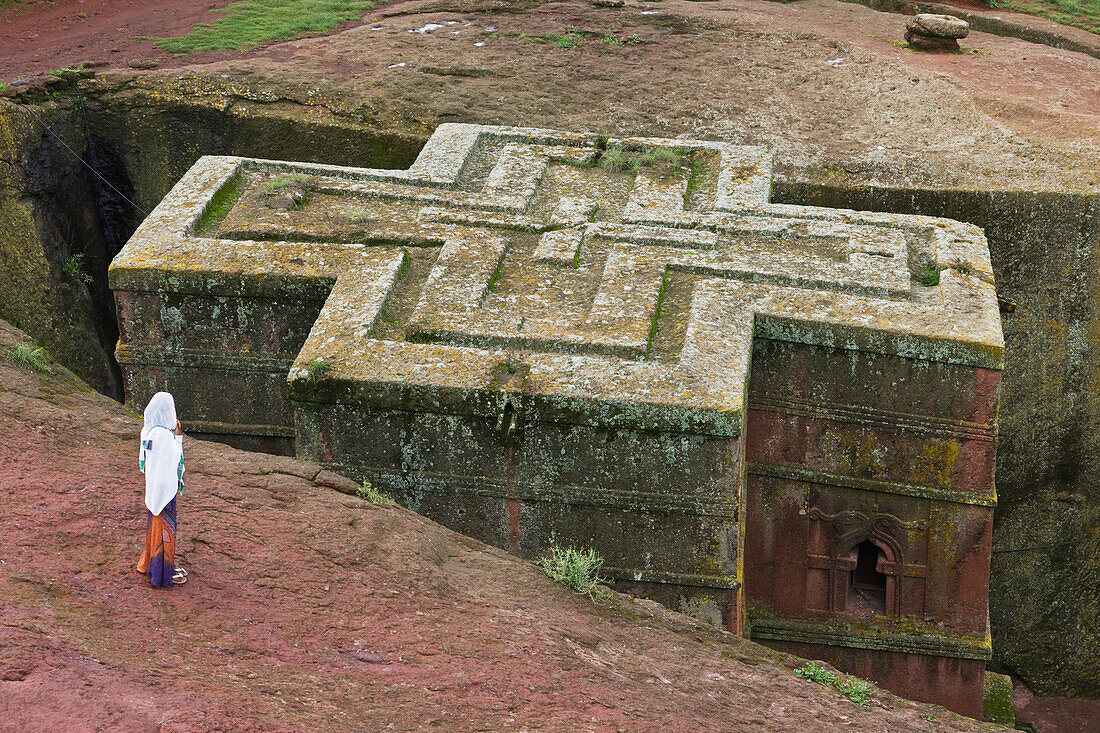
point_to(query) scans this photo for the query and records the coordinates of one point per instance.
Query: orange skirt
(158, 559)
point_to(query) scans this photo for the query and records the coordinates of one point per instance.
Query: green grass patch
(855, 689)
(318, 369)
(367, 491)
(248, 23)
(654, 327)
(220, 204)
(569, 40)
(1084, 14)
(617, 160)
(928, 275)
(576, 569)
(283, 182)
(357, 215)
(74, 268)
(695, 178)
(29, 357)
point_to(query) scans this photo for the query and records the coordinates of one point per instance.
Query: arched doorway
(867, 582)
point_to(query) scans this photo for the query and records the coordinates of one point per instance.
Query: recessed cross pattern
(613, 276)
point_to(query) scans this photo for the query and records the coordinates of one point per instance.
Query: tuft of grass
(29, 357)
(357, 215)
(74, 268)
(283, 182)
(576, 569)
(617, 160)
(855, 689)
(318, 369)
(367, 491)
(247, 23)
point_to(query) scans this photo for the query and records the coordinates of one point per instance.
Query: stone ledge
(796, 473)
(923, 642)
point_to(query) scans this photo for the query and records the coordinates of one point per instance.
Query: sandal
(180, 577)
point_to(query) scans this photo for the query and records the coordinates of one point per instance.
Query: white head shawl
(161, 452)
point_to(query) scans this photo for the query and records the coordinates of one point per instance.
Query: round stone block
(938, 26)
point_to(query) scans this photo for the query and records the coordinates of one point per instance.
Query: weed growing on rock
(357, 215)
(816, 673)
(855, 689)
(928, 275)
(29, 357)
(67, 70)
(283, 182)
(317, 370)
(577, 569)
(373, 495)
(74, 268)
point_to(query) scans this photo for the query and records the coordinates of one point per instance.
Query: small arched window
(867, 582)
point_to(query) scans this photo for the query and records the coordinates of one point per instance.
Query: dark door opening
(867, 586)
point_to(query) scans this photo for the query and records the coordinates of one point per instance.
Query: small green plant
(816, 673)
(29, 357)
(928, 274)
(855, 689)
(67, 69)
(611, 40)
(317, 370)
(74, 268)
(929, 718)
(569, 40)
(577, 569)
(357, 215)
(634, 39)
(367, 491)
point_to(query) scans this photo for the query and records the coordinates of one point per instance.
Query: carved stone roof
(614, 282)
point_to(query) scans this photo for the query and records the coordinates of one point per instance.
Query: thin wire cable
(77, 155)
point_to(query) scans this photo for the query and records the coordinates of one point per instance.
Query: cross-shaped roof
(614, 282)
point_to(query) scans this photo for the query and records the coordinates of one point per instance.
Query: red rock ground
(309, 609)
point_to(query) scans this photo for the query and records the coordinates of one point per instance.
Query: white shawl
(161, 457)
